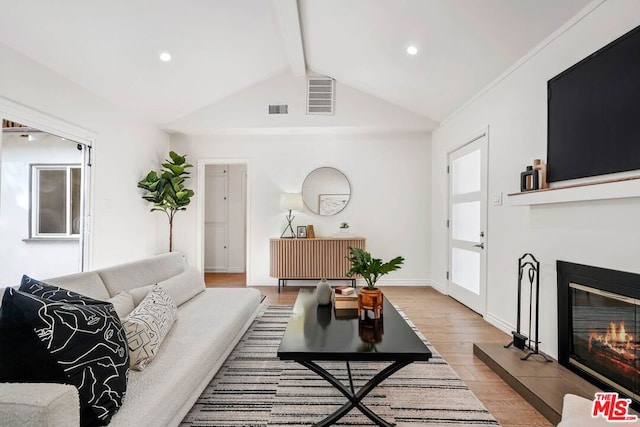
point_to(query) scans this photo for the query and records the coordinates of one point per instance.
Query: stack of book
(345, 302)
(345, 290)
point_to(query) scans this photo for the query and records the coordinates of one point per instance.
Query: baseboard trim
(499, 323)
(224, 270)
(438, 287)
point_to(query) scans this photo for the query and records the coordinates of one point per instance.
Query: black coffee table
(315, 334)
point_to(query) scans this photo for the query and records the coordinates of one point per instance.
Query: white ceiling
(220, 47)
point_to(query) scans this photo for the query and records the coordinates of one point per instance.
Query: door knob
(479, 245)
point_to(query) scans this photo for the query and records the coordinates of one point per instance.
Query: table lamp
(290, 202)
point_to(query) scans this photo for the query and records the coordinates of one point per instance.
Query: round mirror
(326, 191)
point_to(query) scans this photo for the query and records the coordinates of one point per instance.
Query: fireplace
(599, 326)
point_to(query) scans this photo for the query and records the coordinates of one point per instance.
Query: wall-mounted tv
(594, 113)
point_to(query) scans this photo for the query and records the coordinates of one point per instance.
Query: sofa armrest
(39, 404)
(576, 412)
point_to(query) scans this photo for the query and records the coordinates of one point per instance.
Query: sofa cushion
(209, 326)
(181, 288)
(123, 304)
(80, 339)
(147, 325)
(87, 283)
(145, 272)
(37, 405)
(53, 292)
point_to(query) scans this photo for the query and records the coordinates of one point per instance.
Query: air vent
(278, 109)
(320, 95)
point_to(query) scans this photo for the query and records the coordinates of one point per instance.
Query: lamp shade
(291, 202)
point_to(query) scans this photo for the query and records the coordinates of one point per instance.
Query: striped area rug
(255, 388)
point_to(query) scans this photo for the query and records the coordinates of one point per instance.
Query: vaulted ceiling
(221, 47)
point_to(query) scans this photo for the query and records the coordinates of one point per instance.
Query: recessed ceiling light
(165, 57)
(412, 50)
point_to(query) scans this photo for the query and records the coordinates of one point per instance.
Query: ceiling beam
(289, 19)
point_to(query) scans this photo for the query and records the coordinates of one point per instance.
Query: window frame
(34, 200)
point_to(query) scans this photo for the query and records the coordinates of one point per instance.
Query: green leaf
(176, 158)
(165, 189)
(371, 269)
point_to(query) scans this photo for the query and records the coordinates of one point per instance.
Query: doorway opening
(223, 223)
(44, 189)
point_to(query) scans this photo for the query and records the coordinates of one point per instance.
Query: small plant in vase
(371, 269)
(344, 227)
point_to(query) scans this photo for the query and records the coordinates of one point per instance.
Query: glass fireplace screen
(604, 337)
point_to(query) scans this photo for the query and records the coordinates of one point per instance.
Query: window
(55, 201)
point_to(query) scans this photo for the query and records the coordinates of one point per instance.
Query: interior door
(468, 224)
(216, 219)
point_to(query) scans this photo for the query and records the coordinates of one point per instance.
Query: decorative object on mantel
(311, 234)
(371, 269)
(529, 179)
(542, 178)
(290, 202)
(344, 227)
(166, 189)
(529, 263)
(323, 292)
(534, 177)
(301, 232)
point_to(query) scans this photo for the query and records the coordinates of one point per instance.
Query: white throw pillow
(123, 304)
(181, 287)
(184, 286)
(138, 294)
(147, 325)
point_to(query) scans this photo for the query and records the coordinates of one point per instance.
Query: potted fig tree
(371, 269)
(166, 189)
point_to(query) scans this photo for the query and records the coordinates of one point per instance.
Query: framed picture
(302, 232)
(331, 204)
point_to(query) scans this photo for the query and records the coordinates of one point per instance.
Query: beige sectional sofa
(208, 325)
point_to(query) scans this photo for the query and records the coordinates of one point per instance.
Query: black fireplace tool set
(523, 342)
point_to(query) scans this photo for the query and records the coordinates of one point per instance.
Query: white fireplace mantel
(600, 190)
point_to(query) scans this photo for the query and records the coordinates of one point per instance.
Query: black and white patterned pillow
(55, 293)
(78, 341)
(147, 325)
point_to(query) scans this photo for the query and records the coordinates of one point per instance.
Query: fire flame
(616, 338)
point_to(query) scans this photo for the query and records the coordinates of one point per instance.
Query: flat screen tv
(594, 113)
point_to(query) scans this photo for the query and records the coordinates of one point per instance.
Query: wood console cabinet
(317, 258)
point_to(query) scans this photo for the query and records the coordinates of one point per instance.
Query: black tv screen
(594, 113)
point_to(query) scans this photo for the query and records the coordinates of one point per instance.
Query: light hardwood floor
(451, 328)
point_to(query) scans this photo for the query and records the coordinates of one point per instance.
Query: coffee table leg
(355, 399)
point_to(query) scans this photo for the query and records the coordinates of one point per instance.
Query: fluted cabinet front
(318, 258)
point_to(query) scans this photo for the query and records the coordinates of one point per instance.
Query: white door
(468, 224)
(216, 219)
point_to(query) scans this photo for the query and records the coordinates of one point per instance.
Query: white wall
(600, 233)
(125, 148)
(246, 111)
(383, 149)
(389, 177)
(18, 256)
